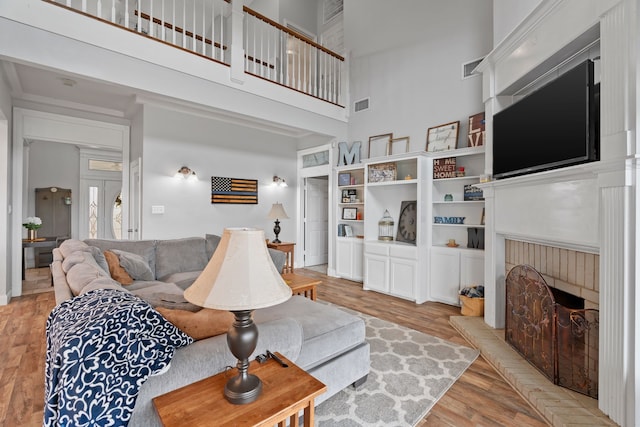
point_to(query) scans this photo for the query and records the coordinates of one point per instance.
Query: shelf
(396, 182)
(351, 220)
(459, 225)
(442, 202)
(351, 203)
(458, 178)
(350, 186)
(464, 248)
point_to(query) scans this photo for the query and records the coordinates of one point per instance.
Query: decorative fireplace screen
(552, 330)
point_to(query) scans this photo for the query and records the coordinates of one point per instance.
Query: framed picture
(344, 178)
(349, 213)
(399, 145)
(443, 137)
(348, 231)
(476, 136)
(382, 172)
(349, 196)
(379, 145)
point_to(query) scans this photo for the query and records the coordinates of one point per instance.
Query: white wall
(212, 148)
(416, 86)
(53, 164)
(6, 199)
(507, 14)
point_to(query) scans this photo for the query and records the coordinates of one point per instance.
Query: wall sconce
(185, 173)
(279, 182)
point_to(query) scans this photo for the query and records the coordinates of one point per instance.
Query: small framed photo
(443, 137)
(348, 231)
(344, 178)
(349, 213)
(379, 145)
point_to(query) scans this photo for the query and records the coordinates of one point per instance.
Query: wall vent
(467, 68)
(361, 105)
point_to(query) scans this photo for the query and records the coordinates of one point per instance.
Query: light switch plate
(157, 209)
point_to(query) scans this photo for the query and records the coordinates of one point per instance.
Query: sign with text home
(444, 168)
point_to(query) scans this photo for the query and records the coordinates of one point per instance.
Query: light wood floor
(479, 398)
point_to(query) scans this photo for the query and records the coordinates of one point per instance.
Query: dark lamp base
(241, 391)
(276, 231)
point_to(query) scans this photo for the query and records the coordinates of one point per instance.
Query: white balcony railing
(203, 27)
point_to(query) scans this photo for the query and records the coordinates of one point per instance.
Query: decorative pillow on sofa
(135, 265)
(199, 325)
(117, 272)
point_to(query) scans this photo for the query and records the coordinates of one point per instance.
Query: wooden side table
(285, 392)
(302, 285)
(287, 248)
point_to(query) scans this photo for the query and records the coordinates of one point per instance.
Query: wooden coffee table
(285, 392)
(302, 285)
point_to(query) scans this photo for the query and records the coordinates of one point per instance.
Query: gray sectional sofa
(323, 340)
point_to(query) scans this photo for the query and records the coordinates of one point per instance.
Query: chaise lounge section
(323, 340)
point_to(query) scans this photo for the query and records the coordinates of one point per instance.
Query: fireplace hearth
(552, 330)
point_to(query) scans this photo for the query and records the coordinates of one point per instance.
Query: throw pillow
(135, 265)
(201, 324)
(99, 257)
(118, 273)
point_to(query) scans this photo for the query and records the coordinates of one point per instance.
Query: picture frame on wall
(344, 178)
(349, 213)
(443, 137)
(379, 145)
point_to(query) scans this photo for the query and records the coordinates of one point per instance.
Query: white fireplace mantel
(589, 206)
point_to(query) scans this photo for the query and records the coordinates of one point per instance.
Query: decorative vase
(32, 234)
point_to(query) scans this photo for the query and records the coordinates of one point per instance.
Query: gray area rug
(410, 371)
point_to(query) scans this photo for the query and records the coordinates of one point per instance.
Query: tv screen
(555, 126)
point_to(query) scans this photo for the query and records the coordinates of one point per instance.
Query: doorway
(316, 221)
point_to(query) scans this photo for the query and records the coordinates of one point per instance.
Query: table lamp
(277, 212)
(240, 277)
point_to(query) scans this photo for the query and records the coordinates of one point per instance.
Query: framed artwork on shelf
(348, 231)
(349, 213)
(349, 196)
(382, 172)
(344, 178)
(399, 145)
(476, 135)
(379, 145)
(443, 137)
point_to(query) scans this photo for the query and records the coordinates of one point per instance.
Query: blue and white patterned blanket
(101, 347)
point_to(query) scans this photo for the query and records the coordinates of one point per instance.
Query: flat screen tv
(555, 126)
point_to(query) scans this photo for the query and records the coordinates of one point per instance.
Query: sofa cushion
(161, 294)
(183, 279)
(327, 330)
(144, 248)
(72, 245)
(81, 274)
(211, 244)
(137, 267)
(102, 283)
(202, 324)
(177, 255)
(99, 257)
(117, 271)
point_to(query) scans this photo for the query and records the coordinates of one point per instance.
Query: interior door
(101, 209)
(316, 230)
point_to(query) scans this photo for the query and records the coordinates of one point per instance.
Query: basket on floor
(471, 306)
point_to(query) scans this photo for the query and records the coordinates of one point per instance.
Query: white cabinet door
(402, 277)
(349, 253)
(445, 275)
(376, 273)
(471, 268)
(343, 258)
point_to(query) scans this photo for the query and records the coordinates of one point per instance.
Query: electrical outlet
(157, 209)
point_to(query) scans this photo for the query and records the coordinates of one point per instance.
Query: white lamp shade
(240, 275)
(277, 212)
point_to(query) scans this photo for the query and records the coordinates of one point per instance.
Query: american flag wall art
(234, 190)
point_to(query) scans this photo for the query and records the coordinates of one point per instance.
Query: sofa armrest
(208, 357)
(279, 258)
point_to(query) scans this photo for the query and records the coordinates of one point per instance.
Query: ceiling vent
(467, 68)
(361, 105)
